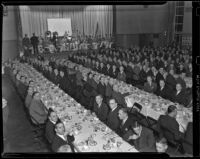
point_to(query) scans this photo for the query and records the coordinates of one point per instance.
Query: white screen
(61, 25)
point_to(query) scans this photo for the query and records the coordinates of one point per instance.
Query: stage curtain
(87, 20)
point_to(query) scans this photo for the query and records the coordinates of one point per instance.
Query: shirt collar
(114, 109)
(123, 122)
(52, 121)
(61, 136)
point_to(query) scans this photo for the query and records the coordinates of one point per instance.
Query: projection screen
(61, 25)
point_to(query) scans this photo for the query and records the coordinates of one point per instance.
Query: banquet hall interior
(97, 78)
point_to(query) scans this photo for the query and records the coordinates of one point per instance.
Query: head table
(91, 135)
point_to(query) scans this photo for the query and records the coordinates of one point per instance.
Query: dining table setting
(91, 135)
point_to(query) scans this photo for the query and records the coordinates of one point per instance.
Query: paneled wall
(134, 22)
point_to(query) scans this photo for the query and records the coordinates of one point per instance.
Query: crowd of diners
(103, 99)
(159, 71)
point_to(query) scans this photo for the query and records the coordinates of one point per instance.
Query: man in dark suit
(179, 95)
(55, 77)
(170, 80)
(163, 91)
(188, 137)
(100, 108)
(112, 118)
(100, 87)
(161, 146)
(114, 72)
(181, 80)
(168, 122)
(118, 96)
(141, 137)
(50, 126)
(159, 76)
(150, 86)
(60, 138)
(34, 42)
(108, 70)
(126, 121)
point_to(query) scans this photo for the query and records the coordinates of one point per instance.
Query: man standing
(26, 44)
(34, 42)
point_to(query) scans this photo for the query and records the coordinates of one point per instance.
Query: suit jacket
(124, 128)
(170, 124)
(58, 142)
(108, 71)
(142, 76)
(119, 98)
(164, 93)
(22, 88)
(28, 101)
(50, 131)
(114, 74)
(101, 111)
(108, 91)
(64, 84)
(150, 89)
(101, 89)
(159, 77)
(171, 82)
(146, 141)
(121, 76)
(129, 72)
(182, 82)
(37, 111)
(180, 98)
(113, 120)
(188, 136)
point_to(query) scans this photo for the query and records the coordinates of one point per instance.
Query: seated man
(62, 137)
(162, 147)
(126, 121)
(121, 74)
(50, 125)
(112, 118)
(37, 110)
(150, 86)
(141, 137)
(169, 122)
(29, 97)
(163, 91)
(100, 108)
(179, 95)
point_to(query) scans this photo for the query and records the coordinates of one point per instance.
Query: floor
(19, 136)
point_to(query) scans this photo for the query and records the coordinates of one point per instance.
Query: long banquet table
(152, 106)
(77, 119)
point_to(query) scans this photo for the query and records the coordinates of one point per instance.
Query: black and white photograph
(98, 78)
